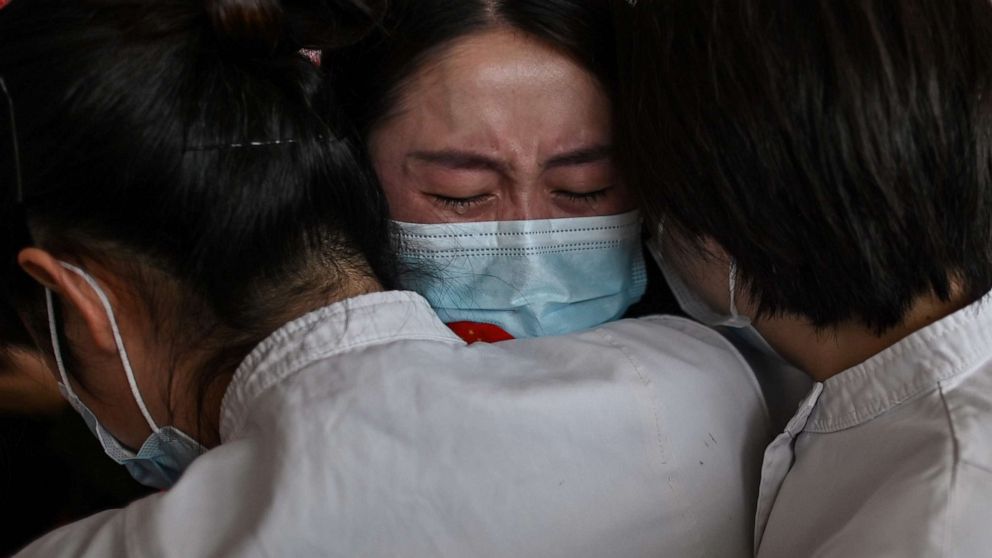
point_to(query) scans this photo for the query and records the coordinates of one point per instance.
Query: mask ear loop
(733, 277)
(733, 289)
(53, 330)
(56, 344)
(118, 340)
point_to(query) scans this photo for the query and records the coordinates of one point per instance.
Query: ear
(76, 294)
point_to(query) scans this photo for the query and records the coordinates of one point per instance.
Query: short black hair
(839, 150)
(369, 75)
(190, 140)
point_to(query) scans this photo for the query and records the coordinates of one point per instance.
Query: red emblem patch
(473, 332)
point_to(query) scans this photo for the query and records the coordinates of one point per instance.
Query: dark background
(53, 471)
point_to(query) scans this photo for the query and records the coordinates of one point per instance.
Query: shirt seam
(866, 414)
(954, 366)
(235, 401)
(645, 383)
(755, 384)
(953, 480)
(292, 328)
(960, 461)
(645, 386)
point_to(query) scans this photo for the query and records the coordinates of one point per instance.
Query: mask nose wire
(122, 353)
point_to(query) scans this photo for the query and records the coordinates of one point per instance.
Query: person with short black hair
(822, 171)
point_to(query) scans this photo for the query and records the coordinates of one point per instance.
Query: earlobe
(74, 293)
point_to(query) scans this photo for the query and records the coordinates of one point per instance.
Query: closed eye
(588, 197)
(459, 203)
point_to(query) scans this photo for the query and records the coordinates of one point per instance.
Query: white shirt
(783, 385)
(892, 457)
(368, 429)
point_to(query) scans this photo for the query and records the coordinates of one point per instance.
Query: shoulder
(679, 350)
(670, 334)
(102, 534)
(661, 337)
(554, 447)
(971, 507)
(968, 404)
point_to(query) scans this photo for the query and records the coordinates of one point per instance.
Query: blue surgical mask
(167, 452)
(531, 278)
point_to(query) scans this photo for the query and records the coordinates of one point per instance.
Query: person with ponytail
(198, 249)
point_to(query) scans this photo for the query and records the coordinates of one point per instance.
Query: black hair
(188, 144)
(838, 150)
(369, 76)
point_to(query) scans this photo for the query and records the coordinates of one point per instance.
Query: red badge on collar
(473, 332)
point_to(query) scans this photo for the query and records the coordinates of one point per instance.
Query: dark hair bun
(260, 27)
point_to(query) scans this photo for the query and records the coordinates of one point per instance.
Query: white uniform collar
(911, 367)
(361, 321)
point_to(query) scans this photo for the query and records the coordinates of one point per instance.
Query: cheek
(615, 206)
(389, 170)
(387, 150)
(623, 200)
(405, 203)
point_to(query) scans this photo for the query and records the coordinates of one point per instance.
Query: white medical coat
(368, 429)
(892, 458)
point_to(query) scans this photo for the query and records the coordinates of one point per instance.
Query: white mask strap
(121, 352)
(56, 346)
(733, 288)
(733, 276)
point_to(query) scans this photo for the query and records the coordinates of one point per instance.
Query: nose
(525, 202)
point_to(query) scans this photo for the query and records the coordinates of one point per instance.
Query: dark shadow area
(658, 298)
(53, 471)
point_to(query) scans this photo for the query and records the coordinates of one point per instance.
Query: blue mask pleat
(531, 278)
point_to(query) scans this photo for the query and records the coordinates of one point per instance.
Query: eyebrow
(456, 159)
(468, 160)
(582, 156)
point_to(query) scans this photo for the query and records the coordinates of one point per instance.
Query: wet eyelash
(458, 203)
(588, 197)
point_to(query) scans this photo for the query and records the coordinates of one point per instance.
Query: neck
(826, 352)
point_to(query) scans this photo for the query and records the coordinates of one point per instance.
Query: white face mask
(696, 308)
(167, 452)
(690, 302)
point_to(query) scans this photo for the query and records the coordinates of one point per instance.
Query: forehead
(506, 83)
